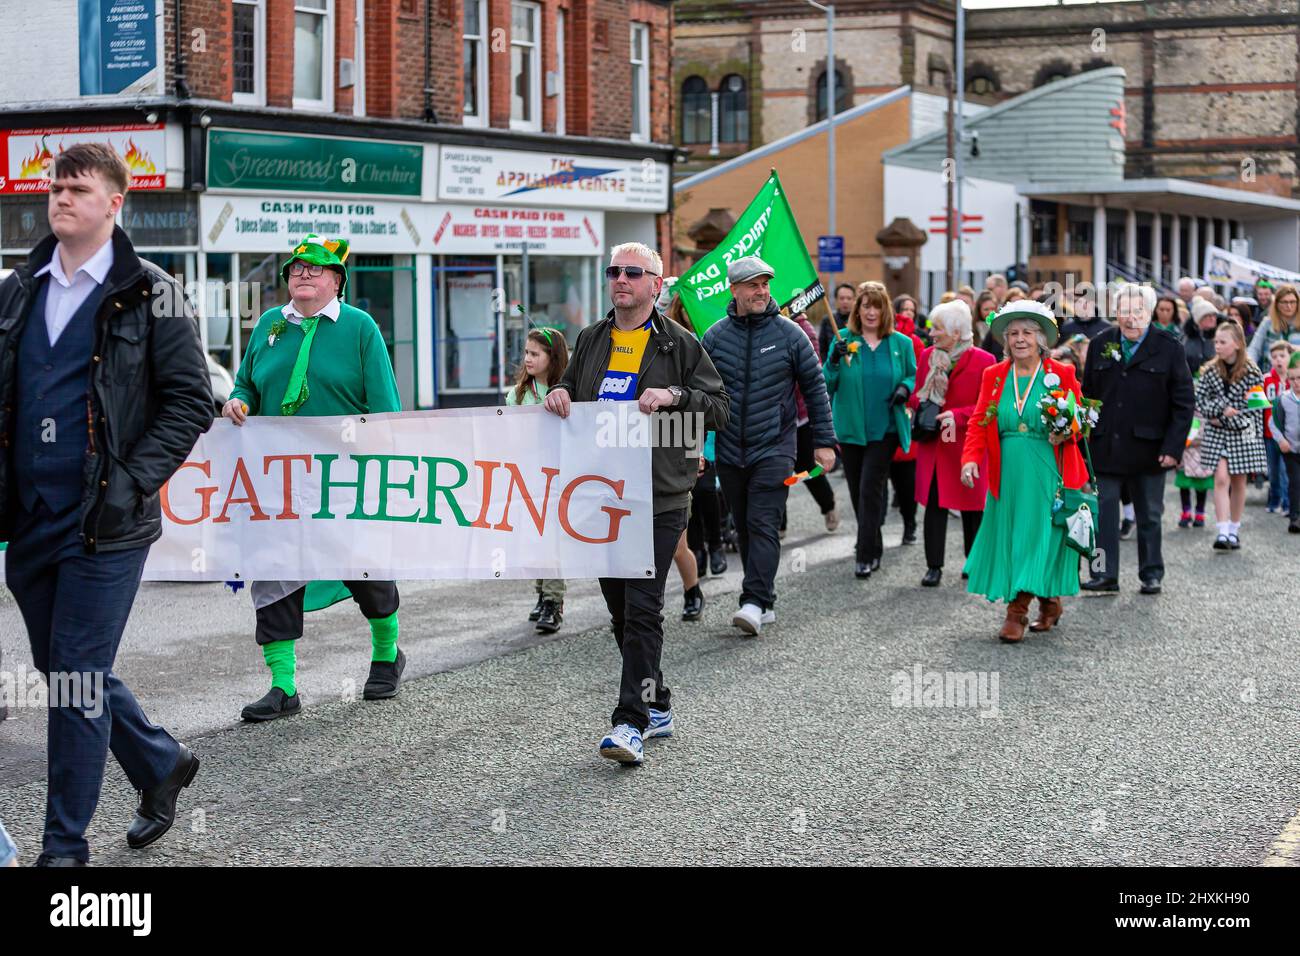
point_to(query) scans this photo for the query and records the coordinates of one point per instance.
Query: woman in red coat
(1019, 553)
(948, 374)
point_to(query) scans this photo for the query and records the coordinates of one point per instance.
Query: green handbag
(1077, 512)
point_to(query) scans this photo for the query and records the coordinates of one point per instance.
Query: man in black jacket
(104, 392)
(844, 296)
(762, 356)
(638, 355)
(1142, 380)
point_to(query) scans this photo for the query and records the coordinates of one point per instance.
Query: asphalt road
(1144, 730)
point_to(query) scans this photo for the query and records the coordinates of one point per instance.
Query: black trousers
(757, 496)
(936, 528)
(282, 620)
(1292, 462)
(1148, 493)
(705, 525)
(819, 487)
(866, 468)
(636, 615)
(902, 475)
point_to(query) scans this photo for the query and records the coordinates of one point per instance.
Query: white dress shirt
(330, 310)
(65, 296)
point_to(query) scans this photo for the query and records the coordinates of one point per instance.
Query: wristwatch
(677, 394)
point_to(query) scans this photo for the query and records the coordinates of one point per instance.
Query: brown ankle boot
(1049, 612)
(1013, 629)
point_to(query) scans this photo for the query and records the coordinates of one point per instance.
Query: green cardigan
(848, 393)
(348, 372)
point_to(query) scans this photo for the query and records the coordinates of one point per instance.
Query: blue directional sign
(830, 253)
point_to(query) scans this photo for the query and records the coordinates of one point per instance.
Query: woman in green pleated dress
(1019, 554)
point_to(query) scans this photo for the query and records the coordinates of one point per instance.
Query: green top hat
(1025, 309)
(314, 250)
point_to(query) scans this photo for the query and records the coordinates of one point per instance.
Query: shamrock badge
(277, 329)
(1111, 350)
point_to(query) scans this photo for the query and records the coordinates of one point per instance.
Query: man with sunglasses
(635, 354)
(763, 356)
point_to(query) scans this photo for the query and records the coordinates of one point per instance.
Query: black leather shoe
(909, 535)
(718, 561)
(1221, 543)
(552, 617)
(1294, 526)
(536, 612)
(862, 569)
(932, 577)
(701, 563)
(693, 605)
(385, 677)
(1234, 542)
(1126, 529)
(157, 810)
(46, 859)
(1105, 585)
(1150, 586)
(274, 704)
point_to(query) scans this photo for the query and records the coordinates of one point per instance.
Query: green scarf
(295, 396)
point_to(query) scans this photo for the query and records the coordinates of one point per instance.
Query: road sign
(830, 253)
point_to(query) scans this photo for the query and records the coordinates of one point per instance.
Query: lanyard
(1015, 384)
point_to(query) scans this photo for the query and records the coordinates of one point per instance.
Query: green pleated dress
(1018, 548)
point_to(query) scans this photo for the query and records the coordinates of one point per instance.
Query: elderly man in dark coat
(1147, 400)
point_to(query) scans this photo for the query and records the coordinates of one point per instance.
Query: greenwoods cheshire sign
(239, 159)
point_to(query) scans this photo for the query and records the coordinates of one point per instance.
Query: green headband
(545, 330)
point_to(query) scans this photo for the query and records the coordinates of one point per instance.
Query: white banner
(455, 493)
(1227, 268)
(272, 223)
(466, 174)
(476, 230)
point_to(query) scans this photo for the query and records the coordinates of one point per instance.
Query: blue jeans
(1278, 490)
(7, 849)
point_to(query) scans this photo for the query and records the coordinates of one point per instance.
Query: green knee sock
(282, 658)
(383, 638)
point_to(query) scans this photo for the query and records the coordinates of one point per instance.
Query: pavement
(1144, 730)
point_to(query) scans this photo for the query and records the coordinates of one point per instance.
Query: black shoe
(862, 569)
(717, 561)
(965, 576)
(47, 859)
(385, 676)
(909, 535)
(875, 564)
(552, 617)
(1126, 529)
(1293, 527)
(157, 810)
(1150, 586)
(536, 612)
(1234, 542)
(273, 704)
(1106, 585)
(701, 563)
(693, 605)
(932, 578)
(1221, 543)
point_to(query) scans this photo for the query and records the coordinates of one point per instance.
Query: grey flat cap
(750, 267)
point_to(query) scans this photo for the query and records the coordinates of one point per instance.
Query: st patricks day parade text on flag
(766, 229)
(455, 493)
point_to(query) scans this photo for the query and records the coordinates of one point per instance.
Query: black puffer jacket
(150, 395)
(761, 359)
(1199, 345)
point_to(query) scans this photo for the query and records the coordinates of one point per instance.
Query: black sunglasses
(632, 272)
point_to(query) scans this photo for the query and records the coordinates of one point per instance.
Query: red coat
(942, 459)
(984, 439)
(906, 326)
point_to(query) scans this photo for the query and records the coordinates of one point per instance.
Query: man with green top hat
(317, 356)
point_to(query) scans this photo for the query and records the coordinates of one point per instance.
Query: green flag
(765, 229)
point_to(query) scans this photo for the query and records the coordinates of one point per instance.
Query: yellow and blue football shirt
(625, 352)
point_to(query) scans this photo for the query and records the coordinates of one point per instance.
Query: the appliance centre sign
(551, 179)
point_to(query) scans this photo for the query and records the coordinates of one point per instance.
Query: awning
(1182, 196)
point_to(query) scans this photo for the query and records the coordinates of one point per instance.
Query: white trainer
(749, 619)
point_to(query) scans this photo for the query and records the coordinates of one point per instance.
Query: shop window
(697, 111)
(24, 222)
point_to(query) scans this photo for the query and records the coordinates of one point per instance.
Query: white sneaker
(769, 617)
(623, 744)
(749, 619)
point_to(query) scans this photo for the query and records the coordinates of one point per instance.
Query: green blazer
(848, 394)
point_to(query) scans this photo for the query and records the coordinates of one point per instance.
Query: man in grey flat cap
(762, 356)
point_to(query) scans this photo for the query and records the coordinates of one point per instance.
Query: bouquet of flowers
(1063, 414)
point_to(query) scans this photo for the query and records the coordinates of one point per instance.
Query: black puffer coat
(761, 359)
(1199, 345)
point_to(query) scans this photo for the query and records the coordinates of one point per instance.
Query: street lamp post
(829, 10)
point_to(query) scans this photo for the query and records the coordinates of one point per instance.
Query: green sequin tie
(295, 396)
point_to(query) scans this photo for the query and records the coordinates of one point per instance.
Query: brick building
(477, 153)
